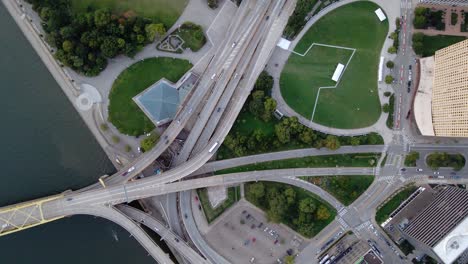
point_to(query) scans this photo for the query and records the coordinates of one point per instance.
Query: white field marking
(326, 87)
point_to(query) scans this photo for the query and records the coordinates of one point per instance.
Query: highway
(172, 239)
(281, 155)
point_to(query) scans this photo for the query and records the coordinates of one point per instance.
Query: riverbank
(68, 87)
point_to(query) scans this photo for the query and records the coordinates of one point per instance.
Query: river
(45, 149)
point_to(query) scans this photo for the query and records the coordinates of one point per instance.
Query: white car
(131, 169)
(419, 169)
(233, 44)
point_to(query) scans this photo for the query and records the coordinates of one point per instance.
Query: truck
(213, 147)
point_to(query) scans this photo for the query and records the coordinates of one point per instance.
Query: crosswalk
(343, 223)
(342, 211)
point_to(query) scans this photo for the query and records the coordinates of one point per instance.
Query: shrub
(454, 18)
(104, 127)
(390, 64)
(149, 142)
(213, 4)
(128, 148)
(392, 50)
(385, 108)
(387, 94)
(389, 79)
(115, 139)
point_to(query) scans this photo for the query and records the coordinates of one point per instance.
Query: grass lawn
(316, 225)
(355, 102)
(211, 213)
(433, 43)
(160, 11)
(345, 160)
(123, 112)
(384, 212)
(344, 188)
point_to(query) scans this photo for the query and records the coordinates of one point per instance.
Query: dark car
(260, 225)
(409, 90)
(199, 207)
(176, 239)
(289, 251)
(185, 215)
(403, 169)
(125, 173)
(410, 67)
(409, 83)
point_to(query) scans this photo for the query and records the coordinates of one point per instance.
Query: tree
(411, 158)
(418, 48)
(419, 22)
(256, 191)
(418, 37)
(332, 142)
(269, 107)
(355, 141)
(385, 108)
(264, 82)
(283, 133)
(373, 138)
(109, 47)
(388, 79)
(213, 4)
(290, 195)
(307, 205)
(154, 31)
(392, 50)
(67, 46)
(149, 142)
(278, 208)
(390, 64)
(307, 136)
(323, 213)
(387, 94)
(102, 17)
(256, 106)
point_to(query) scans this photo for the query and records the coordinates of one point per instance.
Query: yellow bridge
(25, 215)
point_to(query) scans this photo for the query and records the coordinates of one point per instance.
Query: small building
(284, 43)
(161, 100)
(380, 14)
(338, 71)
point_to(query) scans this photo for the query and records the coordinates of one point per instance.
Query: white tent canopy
(380, 14)
(338, 71)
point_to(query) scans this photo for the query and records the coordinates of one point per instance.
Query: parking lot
(244, 236)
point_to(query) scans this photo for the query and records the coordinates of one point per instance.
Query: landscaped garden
(443, 159)
(354, 103)
(341, 160)
(297, 208)
(386, 209)
(411, 158)
(193, 36)
(161, 11)
(233, 195)
(426, 46)
(345, 189)
(124, 113)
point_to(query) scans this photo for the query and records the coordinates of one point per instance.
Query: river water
(45, 148)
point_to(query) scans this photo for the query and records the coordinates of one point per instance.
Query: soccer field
(354, 103)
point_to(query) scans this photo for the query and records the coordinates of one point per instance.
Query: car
(248, 216)
(167, 142)
(409, 83)
(419, 169)
(218, 110)
(233, 44)
(196, 198)
(176, 239)
(289, 251)
(436, 173)
(453, 173)
(409, 90)
(199, 207)
(185, 215)
(410, 67)
(213, 76)
(276, 242)
(403, 169)
(190, 110)
(260, 225)
(69, 199)
(266, 229)
(244, 211)
(165, 137)
(125, 173)
(246, 242)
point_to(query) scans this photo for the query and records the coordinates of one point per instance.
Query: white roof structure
(423, 100)
(284, 44)
(454, 243)
(380, 14)
(381, 63)
(338, 71)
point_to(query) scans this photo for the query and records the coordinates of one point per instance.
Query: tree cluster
(149, 142)
(443, 159)
(298, 19)
(418, 40)
(84, 40)
(424, 18)
(282, 204)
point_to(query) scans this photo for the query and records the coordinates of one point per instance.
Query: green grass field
(433, 43)
(211, 213)
(344, 188)
(160, 11)
(343, 160)
(384, 212)
(354, 103)
(123, 112)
